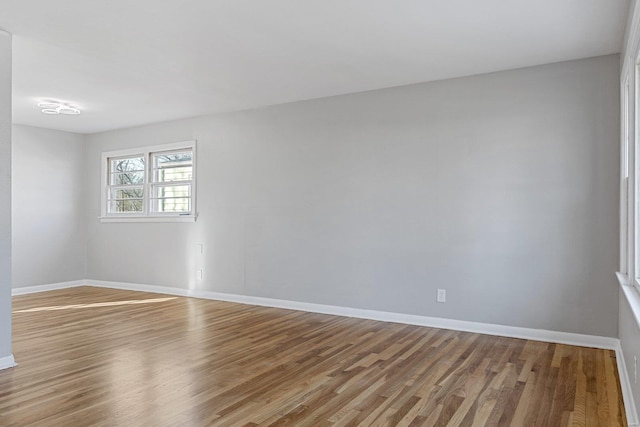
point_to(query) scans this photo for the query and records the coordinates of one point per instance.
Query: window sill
(631, 294)
(181, 218)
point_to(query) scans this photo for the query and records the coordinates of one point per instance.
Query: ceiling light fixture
(55, 107)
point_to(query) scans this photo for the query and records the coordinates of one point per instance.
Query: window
(150, 183)
(630, 143)
(629, 273)
(624, 180)
(629, 208)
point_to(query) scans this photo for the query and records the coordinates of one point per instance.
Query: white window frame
(631, 79)
(625, 184)
(147, 215)
(629, 273)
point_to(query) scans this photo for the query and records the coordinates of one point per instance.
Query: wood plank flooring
(92, 357)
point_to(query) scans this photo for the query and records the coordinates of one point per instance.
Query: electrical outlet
(442, 295)
(200, 248)
(199, 274)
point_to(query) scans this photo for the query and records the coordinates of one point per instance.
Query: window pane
(126, 206)
(178, 205)
(131, 164)
(173, 166)
(126, 200)
(183, 157)
(126, 193)
(172, 198)
(127, 178)
(183, 173)
(172, 191)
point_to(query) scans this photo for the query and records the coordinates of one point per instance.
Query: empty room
(310, 213)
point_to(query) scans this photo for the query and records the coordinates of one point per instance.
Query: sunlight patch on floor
(97, 304)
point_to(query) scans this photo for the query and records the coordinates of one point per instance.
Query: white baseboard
(434, 322)
(143, 288)
(627, 393)
(7, 362)
(48, 287)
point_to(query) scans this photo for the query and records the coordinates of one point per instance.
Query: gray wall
(49, 228)
(501, 188)
(5, 194)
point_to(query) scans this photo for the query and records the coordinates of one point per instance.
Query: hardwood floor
(90, 356)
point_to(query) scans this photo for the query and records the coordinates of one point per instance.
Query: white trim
(169, 290)
(631, 42)
(48, 287)
(7, 362)
(625, 386)
(632, 296)
(625, 176)
(147, 148)
(623, 279)
(181, 218)
(608, 343)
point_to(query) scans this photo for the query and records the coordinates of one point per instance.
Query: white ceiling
(131, 62)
